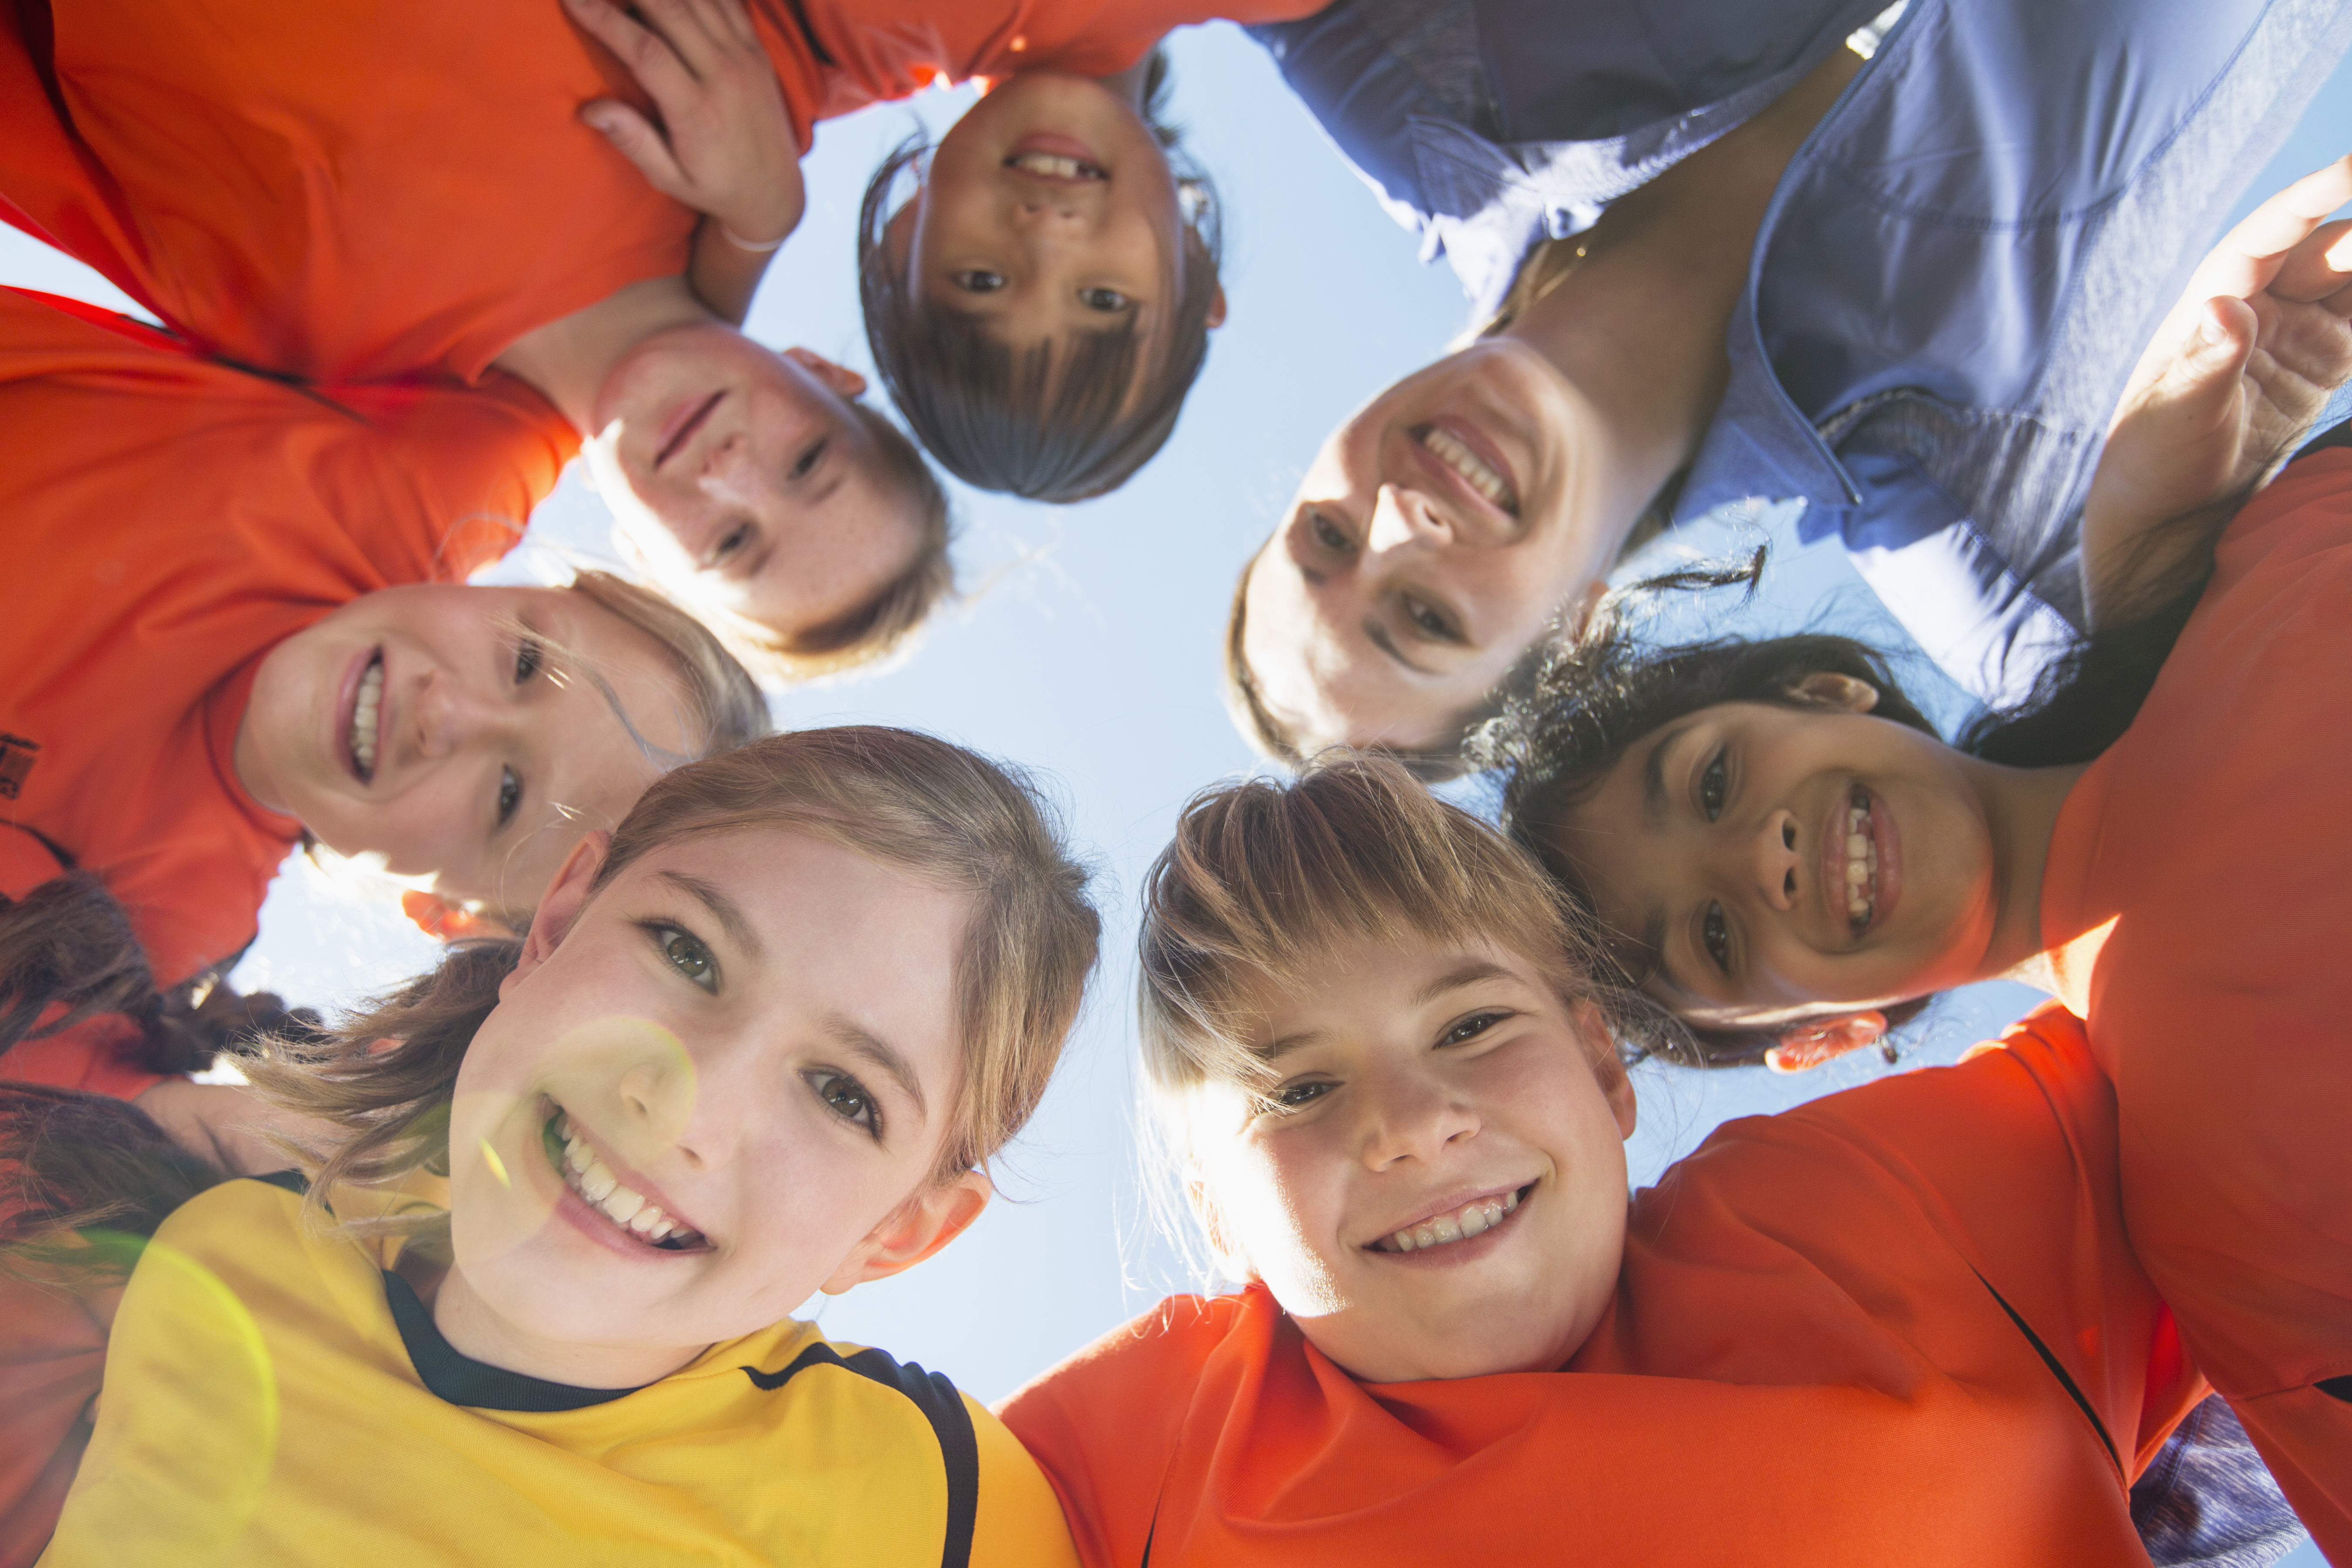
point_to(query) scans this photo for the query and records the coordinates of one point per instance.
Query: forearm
(723, 273)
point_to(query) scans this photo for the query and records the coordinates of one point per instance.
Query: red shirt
(171, 519)
(365, 190)
(1814, 1357)
(2214, 836)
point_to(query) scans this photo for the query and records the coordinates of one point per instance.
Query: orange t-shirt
(2214, 835)
(366, 190)
(169, 520)
(1818, 1354)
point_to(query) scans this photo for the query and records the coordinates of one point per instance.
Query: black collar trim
(461, 1380)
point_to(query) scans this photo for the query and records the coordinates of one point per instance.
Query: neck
(1639, 326)
(568, 359)
(477, 1332)
(2021, 807)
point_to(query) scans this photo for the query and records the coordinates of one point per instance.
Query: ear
(565, 897)
(443, 920)
(1217, 309)
(1607, 1068)
(843, 380)
(1844, 693)
(1808, 1044)
(915, 1230)
(1579, 614)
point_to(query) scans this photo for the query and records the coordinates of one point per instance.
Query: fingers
(648, 54)
(640, 144)
(2251, 254)
(2318, 267)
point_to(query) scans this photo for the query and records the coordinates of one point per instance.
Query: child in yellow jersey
(756, 1044)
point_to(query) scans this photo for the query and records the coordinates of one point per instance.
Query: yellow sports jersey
(272, 1397)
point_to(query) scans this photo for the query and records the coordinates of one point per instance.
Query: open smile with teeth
(1056, 166)
(1474, 1219)
(586, 1174)
(1861, 862)
(365, 713)
(1475, 471)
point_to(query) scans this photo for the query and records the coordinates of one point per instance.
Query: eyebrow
(1475, 971)
(1654, 778)
(725, 910)
(1387, 645)
(864, 1043)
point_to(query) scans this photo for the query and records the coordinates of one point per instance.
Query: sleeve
(1019, 1524)
(52, 1361)
(452, 474)
(1103, 1424)
(2012, 1155)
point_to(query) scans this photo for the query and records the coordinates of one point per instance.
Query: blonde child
(760, 1042)
(1900, 1323)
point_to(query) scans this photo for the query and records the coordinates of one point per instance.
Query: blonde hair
(884, 623)
(942, 814)
(1264, 878)
(726, 708)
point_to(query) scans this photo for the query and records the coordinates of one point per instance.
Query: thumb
(632, 135)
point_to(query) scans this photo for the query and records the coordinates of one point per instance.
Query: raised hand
(2237, 371)
(726, 145)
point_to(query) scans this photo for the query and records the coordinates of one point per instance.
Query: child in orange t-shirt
(1897, 1324)
(2157, 841)
(235, 619)
(371, 191)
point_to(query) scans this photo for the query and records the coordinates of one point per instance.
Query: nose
(1411, 1115)
(1401, 519)
(1764, 862)
(668, 1101)
(446, 714)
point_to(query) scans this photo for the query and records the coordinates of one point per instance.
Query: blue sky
(1089, 652)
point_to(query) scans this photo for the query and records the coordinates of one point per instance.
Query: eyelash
(682, 948)
(808, 461)
(1715, 935)
(1714, 785)
(1092, 299)
(1431, 624)
(1292, 1097)
(822, 1080)
(1328, 534)
(978, 281)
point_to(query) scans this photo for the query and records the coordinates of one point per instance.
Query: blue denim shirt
(1955, 276)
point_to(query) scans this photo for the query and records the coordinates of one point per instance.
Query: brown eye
(1711, 786)
(1329, 534)
(808, 461)
(1716, 932)
(846, 1097)
(977, 281)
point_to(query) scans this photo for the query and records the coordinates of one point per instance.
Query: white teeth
(1471, 1219)
(1469, 464)
(589, 1177)
(363, 716)
(1861, 866)
(1053, 165)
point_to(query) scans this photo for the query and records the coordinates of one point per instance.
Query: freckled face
(429, 726)
(746, 479)
(752, 1032)
(1435, 1184)
(1768, 863)
(1437, 533)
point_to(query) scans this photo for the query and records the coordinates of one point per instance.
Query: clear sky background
(1087, 650)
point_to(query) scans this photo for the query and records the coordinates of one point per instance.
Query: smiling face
(1048, 209)
(429, 726)
(716, 1087)
(1438, 1189)
(1767, 863)
(747, 479)
(1435, 537)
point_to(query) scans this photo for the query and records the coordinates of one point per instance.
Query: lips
(1469, 463)
(682, 426)
(1860, 880)
(361, 714)
(1453, 1223)
(1047, 155)
(617, 1206)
